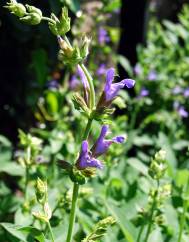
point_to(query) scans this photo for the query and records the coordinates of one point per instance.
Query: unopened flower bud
(41, 191)
(160, 156)
(17, 9)
(62, 25)
(34, 15)
(41, 217)
(158, 165)
(67, 51)
(84, 50)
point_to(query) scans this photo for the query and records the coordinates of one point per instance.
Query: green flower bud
(62, 26)
(84, 50)
(41, 217)
(66, 50)
(33, 17)
(80, 104)
(77, 176)
(17, 9)
(100, 229)
(41, 191)
(158, 165)
(70, 56)
(160, 156)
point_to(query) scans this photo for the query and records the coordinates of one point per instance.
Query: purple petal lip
(129, 83)
(111, 90)
(86, 160)
(118, 139)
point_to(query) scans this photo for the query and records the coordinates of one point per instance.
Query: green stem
(183, 216)
(51, 232)
(87, 130)
(140, 233)
(48, 19)
(67, 41)
(91, 86)
(76, 192)
(152, 213)
(73, 212)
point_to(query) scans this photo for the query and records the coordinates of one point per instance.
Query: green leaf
(25, 234)
(125, 225)
(138, 165)
(112, 5)
(12, 169)
(52, 102)
(143, 140)
(74, 5)
(182, 177)
(125, 64)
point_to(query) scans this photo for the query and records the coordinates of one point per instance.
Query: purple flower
(177, 90)
(186, 92)
(74, 82)
(152, 75)
(180, 109)
(53, 84)
(101, 146)
(137, 70)
(182, 112)
(103, 36)
(143, 92)
(111, 90)
(86, 160)
(101, 70)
